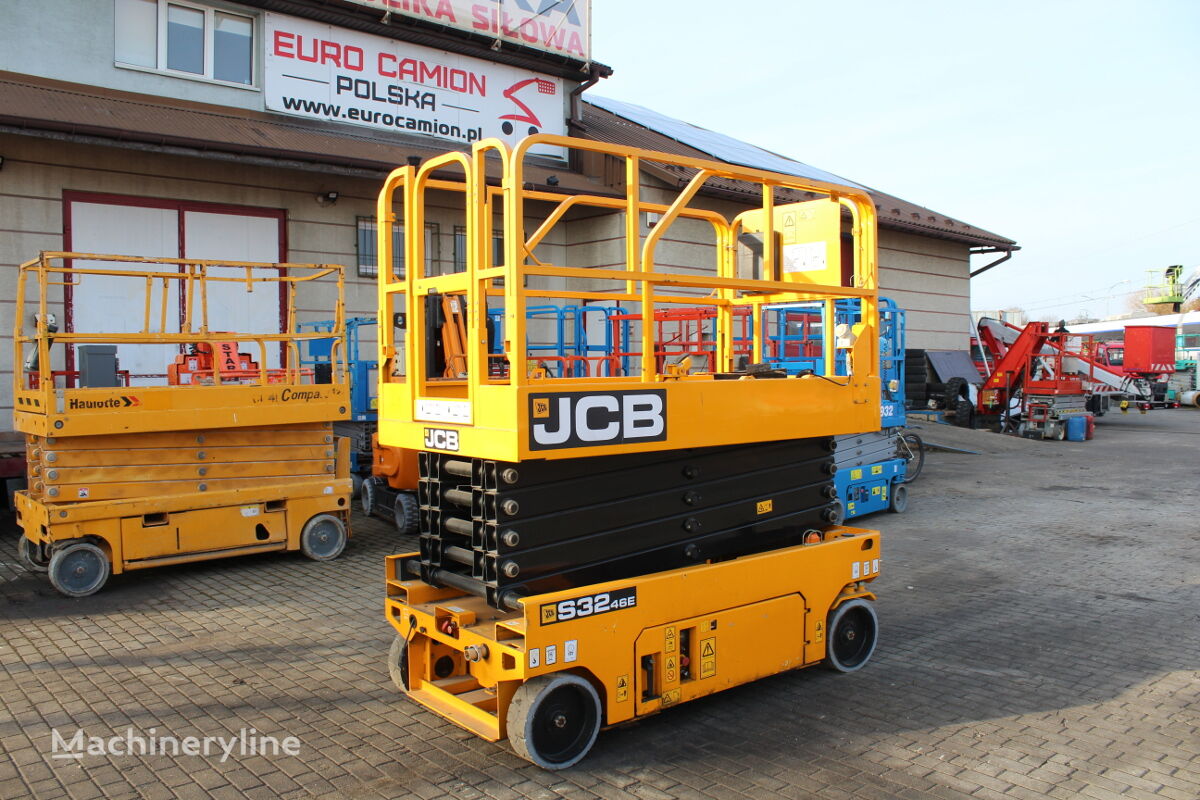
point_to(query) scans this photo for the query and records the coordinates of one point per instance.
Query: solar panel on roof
(717, 145)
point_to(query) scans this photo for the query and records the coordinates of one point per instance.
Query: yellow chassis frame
(138, 533)
(742, 620)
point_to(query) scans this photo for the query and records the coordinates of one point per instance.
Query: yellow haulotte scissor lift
(214, 454)
(602, 542)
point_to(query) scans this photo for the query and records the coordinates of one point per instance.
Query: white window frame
(210, 30)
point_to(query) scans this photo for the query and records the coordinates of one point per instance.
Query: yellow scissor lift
(598, 548)
(213, 454)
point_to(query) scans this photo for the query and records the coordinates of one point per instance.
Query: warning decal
(708, 657)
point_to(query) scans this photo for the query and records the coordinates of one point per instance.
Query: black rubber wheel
(898, 502)
(398, 663)
(912, 450)
(356, 484)
(323, 538)
(368, 497)
(30, 554)
(407, 513)
(853, 630)
(964, 413)
(553, 720)
(78, 569)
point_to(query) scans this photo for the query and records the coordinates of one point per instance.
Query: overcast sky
(1071, 127)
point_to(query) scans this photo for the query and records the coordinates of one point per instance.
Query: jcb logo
(586, 419)
(441, 439)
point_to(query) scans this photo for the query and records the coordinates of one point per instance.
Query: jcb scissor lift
(215, 453)
(598, 545)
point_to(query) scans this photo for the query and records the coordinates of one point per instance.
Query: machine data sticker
(439, 410)
(559, 420)
(249, 511)
(804, 257)
(589, 605)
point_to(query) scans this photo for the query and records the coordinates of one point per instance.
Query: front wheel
(398, 663)
(323, 538)
(898, 502)
(79, 569)
(553, 720)
(852, 631)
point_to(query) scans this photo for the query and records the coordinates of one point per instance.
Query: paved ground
(1041, 613)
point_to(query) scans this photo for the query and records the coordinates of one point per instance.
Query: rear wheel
(31, 555)
(898, 503)
(553, 720)
(78, 569)
(367, 498)
(407, 513)
(852, 630)
(323, 538)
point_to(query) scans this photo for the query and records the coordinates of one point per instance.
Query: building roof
(40, 105)
(614, 121)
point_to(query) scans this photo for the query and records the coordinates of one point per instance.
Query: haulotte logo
(133, 743)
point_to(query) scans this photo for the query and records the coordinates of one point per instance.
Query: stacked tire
(921, 383)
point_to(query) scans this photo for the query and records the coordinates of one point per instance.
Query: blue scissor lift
(362, 424)
(873, 466)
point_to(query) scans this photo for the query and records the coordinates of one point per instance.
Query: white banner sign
(556, 26)
(325, 72)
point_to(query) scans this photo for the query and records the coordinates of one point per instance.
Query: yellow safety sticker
(819, 631)
(670, 697)
(708, 657)
(855, 474)
(671, 673)
(622, 688)
(766, 506)
(849, 506)
(669, 639)
(874, 490)
(877, 469)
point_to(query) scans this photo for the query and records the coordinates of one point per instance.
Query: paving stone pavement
(1040, 615)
